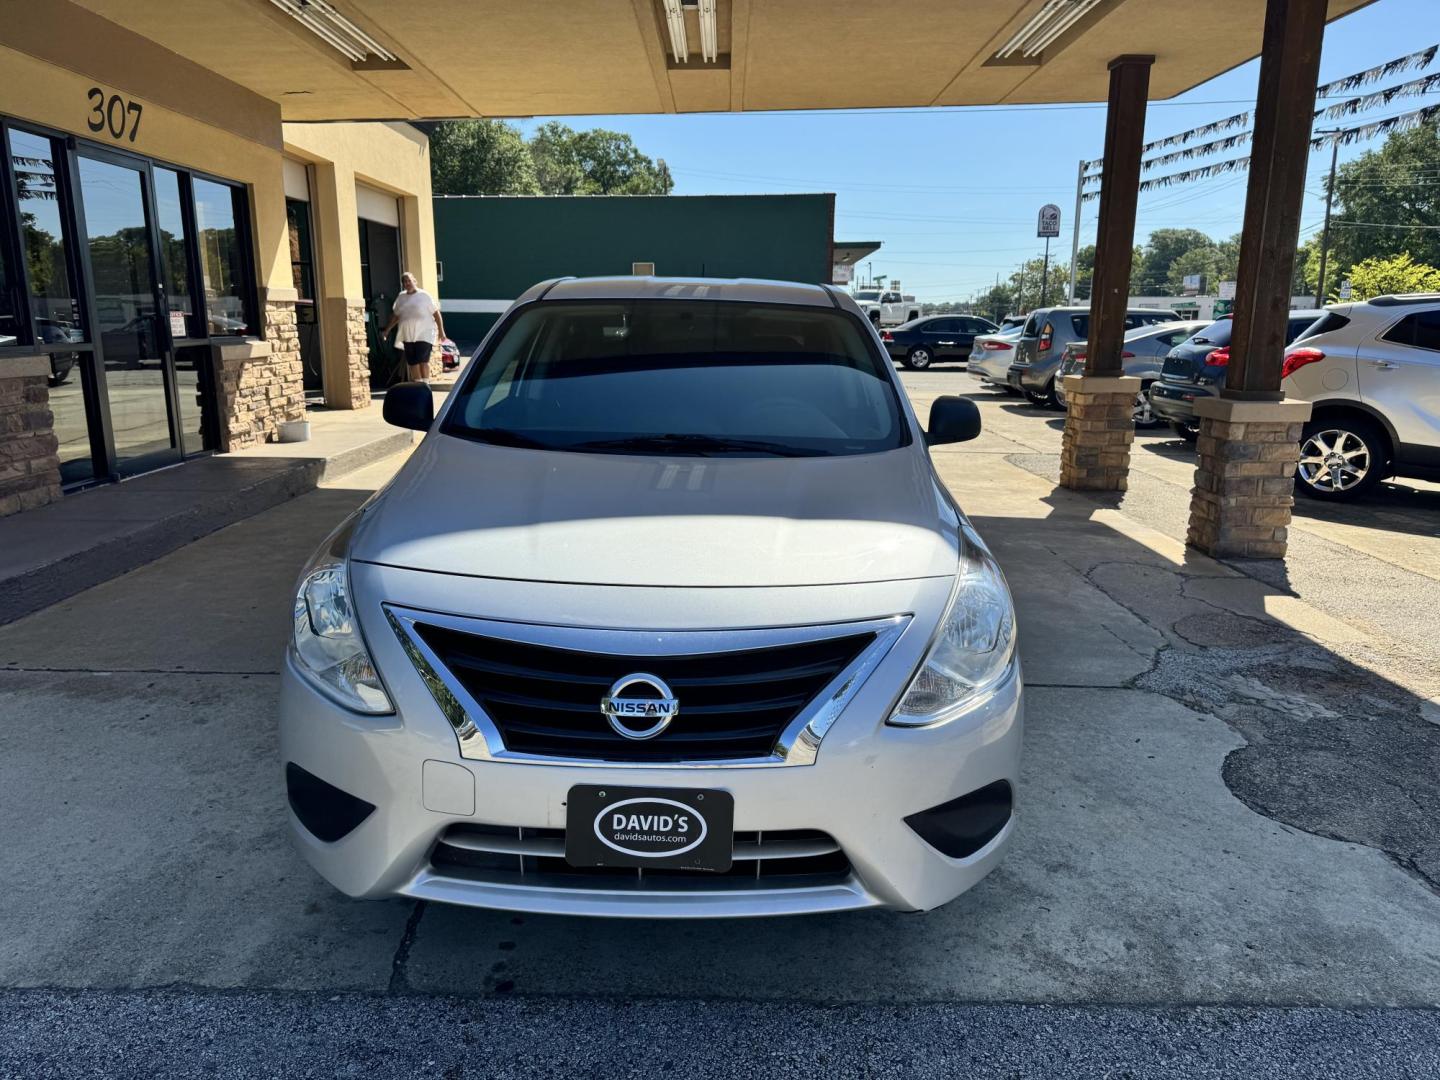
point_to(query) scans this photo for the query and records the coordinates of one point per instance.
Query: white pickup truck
(886, 308)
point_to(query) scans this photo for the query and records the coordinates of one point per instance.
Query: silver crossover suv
(1373, 372)
(668, 615)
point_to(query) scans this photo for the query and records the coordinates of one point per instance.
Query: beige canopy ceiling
(450, 58)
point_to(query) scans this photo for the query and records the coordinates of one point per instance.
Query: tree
(1398, 274)
(595, 162)
(1393, 187)
(1213, 262)
(1161, 251)
(480, 157)
(1026, 283)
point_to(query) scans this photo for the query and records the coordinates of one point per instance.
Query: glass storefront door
(130, 313)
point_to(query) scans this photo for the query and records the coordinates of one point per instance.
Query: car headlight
(975, 648)
(327, 646)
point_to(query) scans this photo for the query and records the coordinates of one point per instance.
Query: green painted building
(492, 248)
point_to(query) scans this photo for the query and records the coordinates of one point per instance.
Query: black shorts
(417, 353)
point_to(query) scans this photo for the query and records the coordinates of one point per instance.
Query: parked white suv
(1373, 372)
(668, 615)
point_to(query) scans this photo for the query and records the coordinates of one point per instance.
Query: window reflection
(221, 261)
(47, 253)
(174, 262)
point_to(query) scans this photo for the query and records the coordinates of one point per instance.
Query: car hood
(473, 509)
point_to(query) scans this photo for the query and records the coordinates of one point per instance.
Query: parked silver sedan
(1144, 355)
(991, 355)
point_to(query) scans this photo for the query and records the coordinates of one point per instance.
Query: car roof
(738, 290)
(1401, 299)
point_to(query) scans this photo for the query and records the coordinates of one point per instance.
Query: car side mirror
(952, 420)
(410, 405)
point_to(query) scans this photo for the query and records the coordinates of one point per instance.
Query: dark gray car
(1048, 331)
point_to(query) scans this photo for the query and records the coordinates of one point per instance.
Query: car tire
(875, 317)
(919, 358)
(1144, 415)
(1045, 399)
(1341, 458)
(1188, 430)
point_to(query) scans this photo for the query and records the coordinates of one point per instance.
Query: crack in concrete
(399, 963)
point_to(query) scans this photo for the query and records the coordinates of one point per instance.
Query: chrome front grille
(504, 855)
(545, 701)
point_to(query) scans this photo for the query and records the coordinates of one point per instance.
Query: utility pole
(1075, 241)
(1329, 201)
(1020, 292)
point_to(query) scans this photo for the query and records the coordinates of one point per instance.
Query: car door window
(940, 326)
(1419, 331)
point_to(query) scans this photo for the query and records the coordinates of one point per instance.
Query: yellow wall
(393, 157)
(57, 97)
(193, 118)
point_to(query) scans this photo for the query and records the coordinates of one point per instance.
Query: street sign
(1049, 223)
(1345, 289)
(1227, 290)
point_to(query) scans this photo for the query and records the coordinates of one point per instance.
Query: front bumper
(866, 780)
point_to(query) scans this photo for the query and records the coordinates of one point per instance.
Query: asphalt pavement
(1226, 863)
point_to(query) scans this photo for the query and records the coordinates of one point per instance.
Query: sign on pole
(1227, 290)
(1049, 223)
(1345, 289)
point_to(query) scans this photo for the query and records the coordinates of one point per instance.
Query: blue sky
(953, 193)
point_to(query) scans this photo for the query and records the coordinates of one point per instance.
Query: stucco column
(345, 352)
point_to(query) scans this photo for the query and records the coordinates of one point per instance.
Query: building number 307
(113, 114)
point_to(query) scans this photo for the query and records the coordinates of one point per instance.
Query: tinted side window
(1299, 328)
(1032, 326)
(1081, 323)
(1323, 325)
(941, 326)
(1421, 330)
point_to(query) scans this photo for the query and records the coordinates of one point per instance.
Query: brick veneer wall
(1099, 428)
(358, 358)
(1244, 489)
(261, 383)
(29, 451)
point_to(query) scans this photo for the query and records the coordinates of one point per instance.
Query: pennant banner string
(1412, 62)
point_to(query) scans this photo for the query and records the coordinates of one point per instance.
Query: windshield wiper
(506, 437)
(694, 443)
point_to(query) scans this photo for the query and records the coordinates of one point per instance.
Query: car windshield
(695, 378)
(868, 294)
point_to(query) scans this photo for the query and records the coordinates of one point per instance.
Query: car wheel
(1144, 415)
(1340, 458)
(875, 317)
(1189, 430)
(1045, 399)
(918, 358)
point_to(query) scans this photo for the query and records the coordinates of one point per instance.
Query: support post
(1100, 425)
(1249, 440)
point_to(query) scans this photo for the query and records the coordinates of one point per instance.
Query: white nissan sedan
(668, 615)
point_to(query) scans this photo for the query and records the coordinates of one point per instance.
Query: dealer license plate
(653, 828)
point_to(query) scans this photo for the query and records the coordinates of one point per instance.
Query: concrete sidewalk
(92, 536)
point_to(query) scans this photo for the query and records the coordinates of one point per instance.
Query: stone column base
(1245, 478)
(258, 388)
(358, 357)
(1099, 428)
(29, 451)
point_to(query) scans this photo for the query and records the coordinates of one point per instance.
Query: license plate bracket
(650, 828)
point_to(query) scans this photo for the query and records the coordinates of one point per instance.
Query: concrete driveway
(1227, 862)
